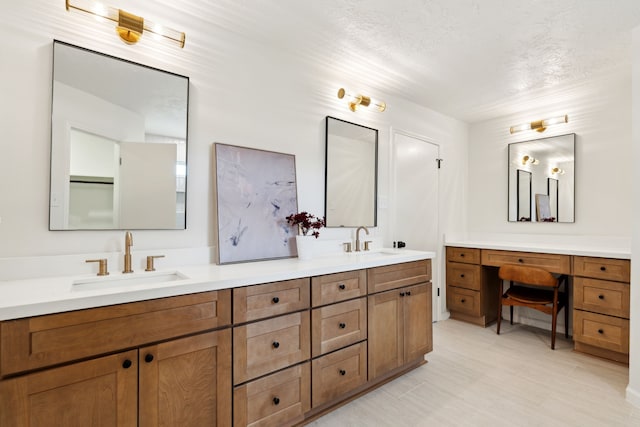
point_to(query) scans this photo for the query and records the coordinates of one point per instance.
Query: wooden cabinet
(472, 291)
(557, 263)
(331, 288)
(601, 307)
(270, 299)
(400, 316)
(338, 373)
(338, 325)
(182, 381)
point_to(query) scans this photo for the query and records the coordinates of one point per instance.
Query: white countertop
(33, 297)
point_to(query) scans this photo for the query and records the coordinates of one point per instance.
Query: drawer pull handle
(603, 268)
(401, 294)
(461, 255)
(408, 293)
(275, 344)
(462, 300)
(600, 331)
(342, 325)
(462, 275)
(275, 300)
(342, 287)
(127, 364)
(343, 372)
(148, 358)
(276, 400)
(601, 296)
(520, 260)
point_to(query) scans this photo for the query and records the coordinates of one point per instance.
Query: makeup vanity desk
(599, 282)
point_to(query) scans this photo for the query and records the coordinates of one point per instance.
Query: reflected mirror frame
(521, 175)
(186, 134)
(512, 185)
(375, 176)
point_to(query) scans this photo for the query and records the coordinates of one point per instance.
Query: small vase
(305, 245)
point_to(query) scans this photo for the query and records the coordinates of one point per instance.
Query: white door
(414, 198)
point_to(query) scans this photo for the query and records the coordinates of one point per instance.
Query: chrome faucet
(362, 227)
(128, 242)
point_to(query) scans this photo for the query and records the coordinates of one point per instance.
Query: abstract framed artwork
(255, 191)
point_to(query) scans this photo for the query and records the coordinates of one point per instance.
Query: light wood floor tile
(478, 378)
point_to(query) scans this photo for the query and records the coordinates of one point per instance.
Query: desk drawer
(398, 275)
(338, 287)
(338, 325)
(275, 400)
(463, 275)
(338, 373)
(270, 299)
(552, 262)
(607, 332)
(466, 255)
(601, 296)
(269, 345)
(464, 301)
(602, 268)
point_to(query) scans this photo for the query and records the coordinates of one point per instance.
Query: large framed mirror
(351, 174)
(118, 143)
(549, 164)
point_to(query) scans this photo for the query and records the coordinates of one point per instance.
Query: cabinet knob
(601, 296)
(342, 287)
(127, 364)
(276, 400)
(600, 331)
(275, 300)
(461, 255)
(520, 260)
(408, 293)
(603, 268)
(343, 372)
(148, 358)
(342, 325)
(401, 294)
(275, 344)
(462, 300)
(462, 275)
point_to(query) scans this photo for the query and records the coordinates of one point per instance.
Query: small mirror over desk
(542, 180)
(118, 143)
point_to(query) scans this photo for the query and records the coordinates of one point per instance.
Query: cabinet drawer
(398, 275)
(338, 373)
(602, 268)
(338, 287)
(467, 255)
(276, 400)
(463, 275)
(552, 262)
(269, 345)
(338, 325)
(270, 299)
(464, 300)
(601, 296)
(607, 332)
(41, 341)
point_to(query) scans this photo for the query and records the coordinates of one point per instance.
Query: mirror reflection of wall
(524, 195)
(351, 174)
(546, 159)
(118, 144)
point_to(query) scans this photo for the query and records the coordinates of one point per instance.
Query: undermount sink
(122, 280)
(375, 252)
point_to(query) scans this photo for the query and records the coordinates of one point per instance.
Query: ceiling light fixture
(355, 101)
(129, 27)
(531, 160)
(539, 125)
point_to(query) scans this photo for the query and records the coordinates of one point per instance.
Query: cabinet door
(98, 392)
(417, 317)
(386, 346)
(187, 382)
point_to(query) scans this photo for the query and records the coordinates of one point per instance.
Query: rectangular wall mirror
(548, 165)
(351, 175)
(118, 143)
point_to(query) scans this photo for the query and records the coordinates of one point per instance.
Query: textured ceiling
(471, 59)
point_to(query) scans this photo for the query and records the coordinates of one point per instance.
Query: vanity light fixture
(355, 101)
(530, 160)
(539, 125)
(129, 27)
(557, 171)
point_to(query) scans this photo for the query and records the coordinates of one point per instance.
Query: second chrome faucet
(128, 242)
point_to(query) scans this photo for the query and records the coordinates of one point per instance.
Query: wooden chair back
(527, 275)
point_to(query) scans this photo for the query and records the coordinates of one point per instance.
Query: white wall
(241, 93)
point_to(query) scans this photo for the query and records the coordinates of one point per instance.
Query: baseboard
(633, 396)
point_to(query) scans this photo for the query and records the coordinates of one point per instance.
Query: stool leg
(499, 306)
(511, 313)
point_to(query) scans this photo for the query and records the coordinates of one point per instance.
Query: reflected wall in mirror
(351, 175)
(118, 143)
(524, 195)
(551, 164)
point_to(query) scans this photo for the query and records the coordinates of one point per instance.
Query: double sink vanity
(267, 343)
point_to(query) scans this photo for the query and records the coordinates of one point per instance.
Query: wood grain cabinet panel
(42, 341)
(466, 276)
(606, 332)
(602, 268)
(338, 325)
(555, 263)
(338, 373)
(331, 288)
(464, 255)
(268, 345)
(601, 296)
(279, 399)
(270, 299)
(464, 301)
(398, 275)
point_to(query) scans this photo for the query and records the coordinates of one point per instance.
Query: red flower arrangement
(306, 223)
